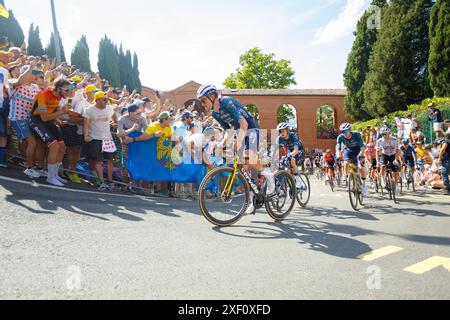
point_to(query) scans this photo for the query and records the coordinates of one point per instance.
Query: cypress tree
(51, 51)
(34, 42)
(11, 28)
(439, 61)
(108, 62)
(80, 55)
(136, 73)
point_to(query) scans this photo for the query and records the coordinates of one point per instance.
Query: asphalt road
(77, 244)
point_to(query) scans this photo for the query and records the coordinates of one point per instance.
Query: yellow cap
(100, 95)
(7, 53)
(90, 88)
(76, 79)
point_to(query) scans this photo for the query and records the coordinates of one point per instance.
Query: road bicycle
(303, 194)
(409, 178)
(330, 177)
(391, 187)
(355, 186)
(225, 195)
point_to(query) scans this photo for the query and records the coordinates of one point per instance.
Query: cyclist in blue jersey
(409, 156)
(292, 148)
(234, 118)
(351, 147)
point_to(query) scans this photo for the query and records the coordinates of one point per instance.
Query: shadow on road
(329, 238)
(41, 200)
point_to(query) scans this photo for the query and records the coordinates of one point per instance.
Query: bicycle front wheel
(353, 192)
(220, 204)
(279, 205)
(304, 192)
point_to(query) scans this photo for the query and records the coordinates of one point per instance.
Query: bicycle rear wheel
(304, 193)
(216, 207)
(279, 205)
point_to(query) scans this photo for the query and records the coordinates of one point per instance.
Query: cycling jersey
(355, 142)
(231, 111)
(408, 152)
(328, 157)
(45, 100)
(371, 153)
(352, 147)
(388, 148)
(291, 142)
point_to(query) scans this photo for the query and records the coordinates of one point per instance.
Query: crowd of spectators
(62, 115)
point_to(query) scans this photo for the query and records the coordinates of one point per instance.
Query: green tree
(108, 62)
(254, 112)
(398, 73)
(358, 62)
(51, 50)
(11, 28)
(34, 42)
(439, 62)
(137, 84)
(285, 114)
(261, 71)
(80, 55)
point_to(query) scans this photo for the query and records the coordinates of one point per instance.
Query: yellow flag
(3, 11)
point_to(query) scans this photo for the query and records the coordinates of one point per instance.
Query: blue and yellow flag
(3, 11)
(156, 161)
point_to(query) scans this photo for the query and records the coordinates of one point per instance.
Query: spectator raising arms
(97, 135)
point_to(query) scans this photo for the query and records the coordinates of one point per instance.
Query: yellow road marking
(429, 264)
(382, 252)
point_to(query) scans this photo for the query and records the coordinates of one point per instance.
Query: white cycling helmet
(385, 131)
(206, 91)
(282, 126)
(345, 127)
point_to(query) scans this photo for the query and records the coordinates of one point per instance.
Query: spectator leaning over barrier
(134, 121)
(97, 134)
(45, 124)
(71, 135)
(4, 108)
(438, 120)
(160, 129)
(444, 159)
(26, 88)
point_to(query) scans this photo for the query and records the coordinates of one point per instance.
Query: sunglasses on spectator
(70, 88)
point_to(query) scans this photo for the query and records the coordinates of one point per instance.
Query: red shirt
(328, 157)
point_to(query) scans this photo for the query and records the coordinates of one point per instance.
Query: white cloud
(343, 25)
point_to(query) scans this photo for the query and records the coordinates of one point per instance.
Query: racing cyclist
(329, 163)
(292, 147)
(409, 156)
(350, 146)
(371, 157)
(234, 118)
(388, 155)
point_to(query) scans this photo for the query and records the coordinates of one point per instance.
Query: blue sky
(199, 40)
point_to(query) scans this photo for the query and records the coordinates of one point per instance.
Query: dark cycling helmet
(283, 126)
(405, 141)
(345, 127)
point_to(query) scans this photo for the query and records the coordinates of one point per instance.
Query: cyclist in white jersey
(388, 154)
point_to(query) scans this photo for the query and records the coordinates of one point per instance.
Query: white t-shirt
(81, 108)
(99, 122)
(3, 82)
